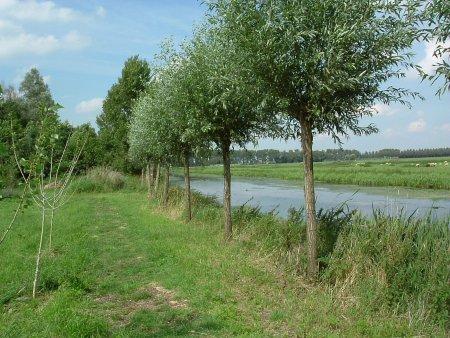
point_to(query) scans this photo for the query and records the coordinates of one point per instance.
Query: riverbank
(122, 266)
(395, 172)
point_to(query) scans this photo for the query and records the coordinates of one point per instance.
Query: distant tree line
(268, 156)
(24, 112)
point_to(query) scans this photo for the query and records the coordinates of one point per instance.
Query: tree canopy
(115, 119)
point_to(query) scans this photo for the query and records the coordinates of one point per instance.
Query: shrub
(101, 179)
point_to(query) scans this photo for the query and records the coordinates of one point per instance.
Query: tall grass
(399, 262)
(394, 263)
(104, 179)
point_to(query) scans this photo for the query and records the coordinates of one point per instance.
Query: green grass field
(400, 172)
(121, 267)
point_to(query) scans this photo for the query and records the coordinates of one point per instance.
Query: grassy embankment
(122, 266)
(400, 172)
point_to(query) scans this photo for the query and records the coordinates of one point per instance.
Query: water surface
(279, 196)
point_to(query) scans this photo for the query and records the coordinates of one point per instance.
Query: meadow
(122, 265)
(393, 172)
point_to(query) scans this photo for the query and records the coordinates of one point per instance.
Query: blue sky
(80, 47)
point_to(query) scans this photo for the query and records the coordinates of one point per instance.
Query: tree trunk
(152, 173)
(310, 200)
(142, 177)
(156, 181)
(166, 186)
(227, 189)
(187, 187)
(148, 179)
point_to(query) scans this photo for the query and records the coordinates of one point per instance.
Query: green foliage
(115, 119)
(100, 179)
(436, 16)
(36, 94)
(227, 103)
(31, 119)
(325, 60)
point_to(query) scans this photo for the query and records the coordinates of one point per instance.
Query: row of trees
(288, 69)
(273, 68)
(268, 156)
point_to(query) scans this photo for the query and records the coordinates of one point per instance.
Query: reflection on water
(279, 195)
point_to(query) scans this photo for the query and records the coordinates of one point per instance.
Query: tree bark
(187, 187)
(310, 199)
(142, 177)
(148, 179)
(152, 174)
(166, 186)
(227, 189)
(156, 181)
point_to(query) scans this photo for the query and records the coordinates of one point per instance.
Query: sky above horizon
(80, 47)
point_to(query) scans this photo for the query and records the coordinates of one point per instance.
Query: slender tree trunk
(156, 182)
(148, 175)
(227, 189)
(52, 215)
(166, 186)
(187, 187)
(142, 177)
(8, 229)
(153, 174)
(310, 200)
(38, 256)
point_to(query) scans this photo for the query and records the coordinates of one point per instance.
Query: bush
(104, 179)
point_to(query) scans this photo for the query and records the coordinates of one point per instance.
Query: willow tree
(162, 127)
(436, 16)
(224, 100)
(328, 61)
(150, 136)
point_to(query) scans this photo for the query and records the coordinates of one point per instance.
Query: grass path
(120, 268)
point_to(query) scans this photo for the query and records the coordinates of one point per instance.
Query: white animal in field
(432, 164)
(417, 165)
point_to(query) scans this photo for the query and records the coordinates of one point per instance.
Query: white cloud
(382, 109)
(445, 127)
(100, 11)
(74, 41)
(40, 11)
(429, 61)
(8, 27)
(390, 133)
(16, 40)
(25, 43)
(89, 106)
(417, 126)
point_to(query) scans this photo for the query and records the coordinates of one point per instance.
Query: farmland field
(399, 172)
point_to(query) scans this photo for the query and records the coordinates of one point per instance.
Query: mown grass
(400, 172)
(122, 266)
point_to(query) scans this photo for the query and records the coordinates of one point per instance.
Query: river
(279, 195)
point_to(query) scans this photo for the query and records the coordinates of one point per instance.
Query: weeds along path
(121, 268)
